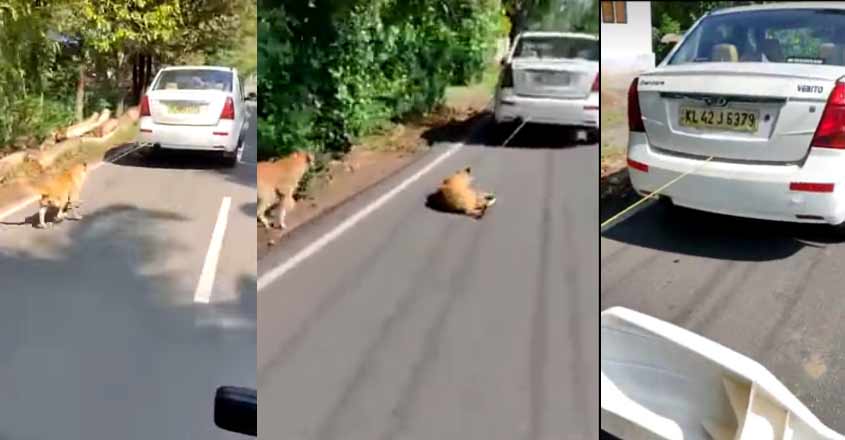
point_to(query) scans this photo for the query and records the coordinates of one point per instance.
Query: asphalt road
(770, 291)
(101, 337)
(416, 324)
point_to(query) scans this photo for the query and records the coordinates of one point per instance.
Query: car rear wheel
(838, 231)
(230, 160)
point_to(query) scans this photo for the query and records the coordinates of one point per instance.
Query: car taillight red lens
(145, 106)
(639, 166)
(507, 76)
(831, 130)
(228, 109)
(596, 84)
(635, 118)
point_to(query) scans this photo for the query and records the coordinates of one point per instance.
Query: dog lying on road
(277, 183)
(62, 192)
(456, 194)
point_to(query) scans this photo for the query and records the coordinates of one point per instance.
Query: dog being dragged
(60, 191)
(456, 194)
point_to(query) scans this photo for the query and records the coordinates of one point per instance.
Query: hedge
(329, 72)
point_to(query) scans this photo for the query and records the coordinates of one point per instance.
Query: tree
(564, 15)
(522, 13)
(145, 33)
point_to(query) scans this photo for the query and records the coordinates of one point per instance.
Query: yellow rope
(525, 121)
(654, 194)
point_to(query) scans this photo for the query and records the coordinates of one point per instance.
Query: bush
(331, 73)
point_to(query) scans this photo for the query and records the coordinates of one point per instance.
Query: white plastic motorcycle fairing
(659, 381)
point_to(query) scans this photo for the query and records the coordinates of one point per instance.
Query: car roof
(785, 5)
(558, 34)
(221, 68)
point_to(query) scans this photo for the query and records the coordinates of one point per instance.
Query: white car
(551, 78)
(759, 91)
(194, 108)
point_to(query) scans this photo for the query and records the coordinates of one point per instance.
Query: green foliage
(570, 16)
(28, 73)
(43, 43)
(335, 70)
(241, 51)
(553, 15)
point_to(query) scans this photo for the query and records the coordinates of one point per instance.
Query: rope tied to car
(653, 195)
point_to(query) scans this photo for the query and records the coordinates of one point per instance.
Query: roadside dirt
(377, 157)
(614, 182)
(91, 150)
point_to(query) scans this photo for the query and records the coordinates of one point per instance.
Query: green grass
(473, 92)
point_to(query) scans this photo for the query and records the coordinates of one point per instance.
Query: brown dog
(456, 194)
(62, 192)
(277, 183)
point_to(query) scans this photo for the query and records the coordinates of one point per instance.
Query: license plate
(183, 109)
(552, 79)
(719, 119)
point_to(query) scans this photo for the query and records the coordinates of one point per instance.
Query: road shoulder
(365, 168)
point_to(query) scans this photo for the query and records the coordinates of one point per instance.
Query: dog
(277, 184)
(62, 192)
(456, 194)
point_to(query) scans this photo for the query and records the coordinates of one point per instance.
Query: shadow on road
(249, 209)
(243, 173)
(482, 130)
(101, 339)
(690, 232)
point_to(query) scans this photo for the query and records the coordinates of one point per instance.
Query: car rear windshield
(194, 79)
(557, 47)
(804, 36)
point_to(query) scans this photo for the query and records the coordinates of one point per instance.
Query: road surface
(416, 324)
(101, 337)
(770, 291)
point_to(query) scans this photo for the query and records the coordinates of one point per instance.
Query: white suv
(194, 108)
(759, 91)
(551, 78)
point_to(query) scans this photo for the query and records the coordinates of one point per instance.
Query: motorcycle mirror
(235, 410)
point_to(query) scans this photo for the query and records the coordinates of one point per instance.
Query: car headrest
(773, 50)
(724, 53)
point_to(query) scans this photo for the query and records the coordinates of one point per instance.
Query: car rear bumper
(222, 137)
(744, 190)
(575, 112)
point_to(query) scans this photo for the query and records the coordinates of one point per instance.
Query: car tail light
(831, 130)
(507, 76)
(145, 106)
(811, 187)
(228, 109)
(639, 166)
(596, 84)
(635, 117)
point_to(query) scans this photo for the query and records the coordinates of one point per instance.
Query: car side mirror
(235, 410)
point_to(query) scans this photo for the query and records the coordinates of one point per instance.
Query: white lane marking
(26, 202)
(209, 268)
(277, 272)
(14, 209)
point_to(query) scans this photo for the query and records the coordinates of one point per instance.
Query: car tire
(838, 231)
(593, 136)
(231, 160)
